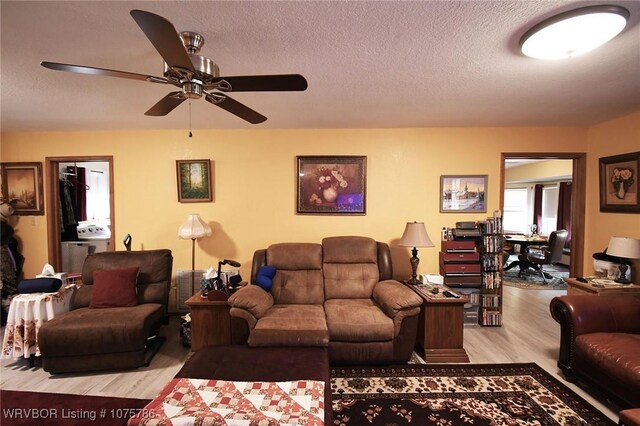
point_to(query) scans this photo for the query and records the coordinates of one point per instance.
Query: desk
(26, 314)
(440, 326)
(524, 242)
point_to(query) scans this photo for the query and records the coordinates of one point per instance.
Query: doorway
(578, 177)
(80, 203)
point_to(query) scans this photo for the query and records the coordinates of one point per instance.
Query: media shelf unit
(472, 265)
(491, 260)
(461, 269)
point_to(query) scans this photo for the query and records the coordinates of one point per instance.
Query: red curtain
(564, 209)
(537, 205)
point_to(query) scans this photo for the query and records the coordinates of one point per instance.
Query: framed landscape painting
(194, 181)
(619, 183)
(332, 185)
(463, 193)
(22, 186)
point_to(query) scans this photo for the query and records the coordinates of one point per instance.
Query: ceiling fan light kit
(574, 32)
(194, 74)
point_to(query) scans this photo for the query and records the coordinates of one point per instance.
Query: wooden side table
(600, 287)
(210, 322)
(440, 326)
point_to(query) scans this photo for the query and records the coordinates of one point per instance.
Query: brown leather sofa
(338, 294)
(600, 343)
(86, 339)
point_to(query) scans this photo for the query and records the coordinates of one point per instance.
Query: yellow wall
(611, 138)
(539, 171)
(254, 180)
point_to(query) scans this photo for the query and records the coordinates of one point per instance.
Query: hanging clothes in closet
(73, 201)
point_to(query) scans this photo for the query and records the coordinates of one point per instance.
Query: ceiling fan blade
(166, 104)
(81, 69)
(235, 108)
(164, 37)
(262, 83)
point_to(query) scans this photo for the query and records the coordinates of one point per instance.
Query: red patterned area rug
(489, 394)
(447, 395)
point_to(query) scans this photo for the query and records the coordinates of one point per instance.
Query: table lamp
(624, 248)
(415, 235)
(193, 229)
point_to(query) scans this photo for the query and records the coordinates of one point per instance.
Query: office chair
(538, 256)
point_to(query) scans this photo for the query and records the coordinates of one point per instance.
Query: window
(516, 216)
(549, 210)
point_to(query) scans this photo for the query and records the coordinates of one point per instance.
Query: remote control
(450, 294)
(581, 279)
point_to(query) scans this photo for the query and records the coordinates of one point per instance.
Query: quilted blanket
(220, 402)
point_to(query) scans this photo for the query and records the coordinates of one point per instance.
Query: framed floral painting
(619, 183)
(22, 186)
(332, 185)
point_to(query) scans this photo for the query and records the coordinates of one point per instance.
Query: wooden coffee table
(600, 287)
(440, 326)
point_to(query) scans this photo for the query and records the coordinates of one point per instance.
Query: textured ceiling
(368, 64)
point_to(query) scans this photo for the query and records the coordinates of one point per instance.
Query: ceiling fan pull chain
(190, 134)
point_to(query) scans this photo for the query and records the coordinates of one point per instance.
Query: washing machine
(92, 238)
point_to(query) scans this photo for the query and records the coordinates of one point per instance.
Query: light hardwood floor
(529, 334)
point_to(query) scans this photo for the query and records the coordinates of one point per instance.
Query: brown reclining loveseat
(86, 338)
(338, 294)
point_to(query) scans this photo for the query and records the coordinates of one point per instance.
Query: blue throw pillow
(267, 271)
(39, 285)
(264, 278)
(264, 282)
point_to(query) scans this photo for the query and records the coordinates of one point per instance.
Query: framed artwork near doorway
(619, 183)
(22, 186)
(463, 193)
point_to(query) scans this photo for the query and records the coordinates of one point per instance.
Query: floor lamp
(415, 235)
(193, 229)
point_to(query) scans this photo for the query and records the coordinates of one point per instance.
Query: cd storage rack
(491, 262)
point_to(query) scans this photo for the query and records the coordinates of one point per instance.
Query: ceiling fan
(194, 74)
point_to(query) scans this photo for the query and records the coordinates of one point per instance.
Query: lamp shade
(574, 32)
(415, 235)
(625, 247)
(193, 228)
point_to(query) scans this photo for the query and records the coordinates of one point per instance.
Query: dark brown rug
(489, 394)
(452, 395)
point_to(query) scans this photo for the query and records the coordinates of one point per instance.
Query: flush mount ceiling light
(574, 32)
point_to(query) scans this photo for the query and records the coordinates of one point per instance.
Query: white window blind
(516, 210)
(549, 210)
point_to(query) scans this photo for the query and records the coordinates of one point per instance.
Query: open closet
(82, 207)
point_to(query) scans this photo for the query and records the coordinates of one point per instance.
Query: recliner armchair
(538, 256)
(87, 339)
(338, 294)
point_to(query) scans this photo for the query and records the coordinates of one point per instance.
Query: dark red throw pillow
(114, 288)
